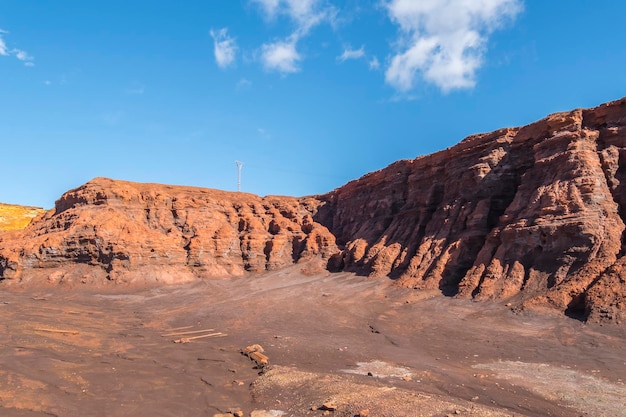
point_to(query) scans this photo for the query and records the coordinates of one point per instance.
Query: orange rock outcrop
(533, 214)
(117, 231)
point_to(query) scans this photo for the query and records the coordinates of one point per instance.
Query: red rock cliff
(535, 214)
(129, 232)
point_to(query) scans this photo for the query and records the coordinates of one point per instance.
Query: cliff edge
(109, 231)
(533, 214)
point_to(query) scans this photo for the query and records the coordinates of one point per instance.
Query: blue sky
(308, 94)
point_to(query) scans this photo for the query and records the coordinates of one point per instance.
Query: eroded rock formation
(534, 215)
(117, 231)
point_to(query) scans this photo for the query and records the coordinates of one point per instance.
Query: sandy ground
(349, 342)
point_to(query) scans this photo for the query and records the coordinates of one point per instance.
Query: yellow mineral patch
(14, 217)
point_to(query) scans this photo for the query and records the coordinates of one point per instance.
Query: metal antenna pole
(239, 166)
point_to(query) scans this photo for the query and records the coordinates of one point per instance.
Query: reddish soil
(80, 351)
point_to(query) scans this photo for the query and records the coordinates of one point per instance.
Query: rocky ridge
(533, 215)
(110, 231)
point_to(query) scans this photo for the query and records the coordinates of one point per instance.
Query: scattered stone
(407, 378)
(259, 358)
(255, 353)
(364, 413)
(267, 413)
(329, 406)
(254, 348)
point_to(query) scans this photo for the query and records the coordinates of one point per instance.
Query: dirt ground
(351, 343)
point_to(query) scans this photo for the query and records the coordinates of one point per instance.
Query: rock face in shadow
(117, 231)
(534, 215)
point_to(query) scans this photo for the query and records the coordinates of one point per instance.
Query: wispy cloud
(224, 47)
(282, 55)
(374, 64)
(21, 55)
(270, 7)
(243, 84)
(443, 41)
(136, 89)
(3, 45)
(18, 53)
(304, 13)
(349, 53)
(263, 133)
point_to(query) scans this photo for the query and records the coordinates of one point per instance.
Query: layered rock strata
(116, 231)
(533, 214)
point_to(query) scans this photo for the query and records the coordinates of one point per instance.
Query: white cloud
(225, 47)
(304, 13)
(3, 46)
(281, 56)
(23, 56)
(18, 53)
(270, 7)
(351, 54)
(243, 84)
(443, 41)
(374, 64)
